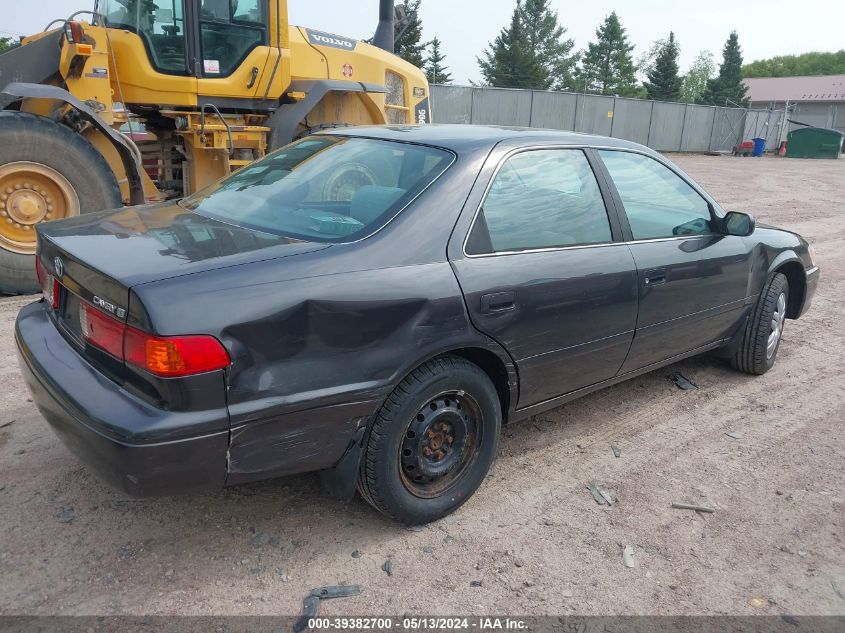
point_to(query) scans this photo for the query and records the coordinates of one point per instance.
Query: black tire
(26, 137)
(753, 355)
(448, 382)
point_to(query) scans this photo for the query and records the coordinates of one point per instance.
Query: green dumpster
(814, 142)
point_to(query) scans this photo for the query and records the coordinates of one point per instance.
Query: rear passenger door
(544, 270)
(693, 278)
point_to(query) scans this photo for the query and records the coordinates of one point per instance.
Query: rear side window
(324, 188)
(657, 201)
(541, 199)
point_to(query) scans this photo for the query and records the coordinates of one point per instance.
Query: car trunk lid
(97, 258)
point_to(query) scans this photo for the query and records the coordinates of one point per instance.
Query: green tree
(507, 61)
(7, 43)
(728, 87)
(664, 83)
(695, 81)
(607, 66)
(553, 59)
(436, 72)
(814, 63)
(407, 34)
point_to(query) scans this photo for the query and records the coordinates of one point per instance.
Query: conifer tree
(664, 83)
(607, 66)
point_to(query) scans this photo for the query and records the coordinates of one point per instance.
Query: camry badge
(58, 266)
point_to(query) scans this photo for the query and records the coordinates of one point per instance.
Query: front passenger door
(544, 272)
(693, 278)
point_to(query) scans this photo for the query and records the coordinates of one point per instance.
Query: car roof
(461, 137)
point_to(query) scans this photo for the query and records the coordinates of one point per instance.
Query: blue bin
(759, 146)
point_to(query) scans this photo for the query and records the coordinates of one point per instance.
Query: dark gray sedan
(374, 303)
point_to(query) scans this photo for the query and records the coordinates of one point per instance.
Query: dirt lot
(532, 535)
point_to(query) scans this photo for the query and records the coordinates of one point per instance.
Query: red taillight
(166, 356)
(39, 270)
(49, 284)
(101, 330)
(172, 356)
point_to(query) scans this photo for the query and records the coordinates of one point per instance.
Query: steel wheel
(440, 443)
(31, 193)
(778, 319)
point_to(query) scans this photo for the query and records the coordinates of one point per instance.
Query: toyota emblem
(58, 266)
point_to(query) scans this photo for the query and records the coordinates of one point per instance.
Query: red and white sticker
(211, 66)
(347, 71)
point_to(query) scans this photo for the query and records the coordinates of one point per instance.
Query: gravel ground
(532, 536)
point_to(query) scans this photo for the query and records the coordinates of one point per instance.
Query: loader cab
(201, 38)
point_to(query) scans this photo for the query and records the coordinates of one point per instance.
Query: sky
(766, 27)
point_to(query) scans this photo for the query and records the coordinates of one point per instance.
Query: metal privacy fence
(668, 127)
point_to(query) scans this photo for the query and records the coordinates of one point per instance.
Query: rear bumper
(811, 283)
(108, 428)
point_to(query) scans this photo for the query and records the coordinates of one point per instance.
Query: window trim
(623, 213)
(254, 26)
(186, 28)
(609, 203)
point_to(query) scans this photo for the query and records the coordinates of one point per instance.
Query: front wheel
(432, 442)
(764, 331)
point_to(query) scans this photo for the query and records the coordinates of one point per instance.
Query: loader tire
(47, 172)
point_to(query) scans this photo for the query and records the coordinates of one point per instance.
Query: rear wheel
(47, 172)
(432, 443)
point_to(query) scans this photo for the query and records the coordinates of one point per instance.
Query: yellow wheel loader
(145, 100)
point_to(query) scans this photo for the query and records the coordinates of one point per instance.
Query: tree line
(797, 65)
(533, 51)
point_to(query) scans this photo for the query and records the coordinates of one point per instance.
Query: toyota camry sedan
(374, 303)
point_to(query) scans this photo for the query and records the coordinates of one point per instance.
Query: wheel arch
(493, 361)
(19, 91)
(790, 265)
(284, 122)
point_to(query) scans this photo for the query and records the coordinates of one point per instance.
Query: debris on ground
(388, 567)
(628, 556)
(8, 423)
(617, 452)
(683, 382)
(475, 583)
(65, 515)
(600, 494)
(596, 494)
(356, 554)
(837, 589)
(758, 602)
(735, 435)
(311, 603)
(607, 495)
(688, 506)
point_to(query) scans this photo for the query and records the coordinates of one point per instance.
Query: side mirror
(740, 224)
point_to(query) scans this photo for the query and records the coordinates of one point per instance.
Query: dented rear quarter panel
(319, 340)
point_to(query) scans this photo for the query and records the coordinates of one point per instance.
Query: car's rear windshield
(324, 188)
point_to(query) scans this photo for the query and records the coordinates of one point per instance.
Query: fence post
(683, 129)
(712, 129)
(650, 123)
(613, 118)
(531, 110)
